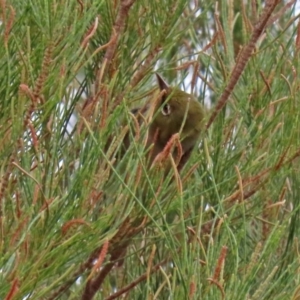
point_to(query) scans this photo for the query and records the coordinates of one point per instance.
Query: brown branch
(266, 81)
(281, 12)
(93, 286)
(255, 181)
(119, 244)
(100, 260)
(90, 33)
(212, 42)
(118, 27)
(136, 282)
(13, 290)
(85, 266)
(115, 37)
(81, 6)
(244, 58)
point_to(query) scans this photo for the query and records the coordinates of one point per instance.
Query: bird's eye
(166, 109)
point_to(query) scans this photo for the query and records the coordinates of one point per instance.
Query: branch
(244, 58)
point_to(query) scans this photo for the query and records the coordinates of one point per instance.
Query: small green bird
(177, 112)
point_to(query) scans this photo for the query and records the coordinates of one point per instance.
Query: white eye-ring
(166, 109)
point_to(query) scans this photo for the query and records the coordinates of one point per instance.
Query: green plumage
(177, 111)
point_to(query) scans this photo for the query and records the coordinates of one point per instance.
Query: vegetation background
(81, 221)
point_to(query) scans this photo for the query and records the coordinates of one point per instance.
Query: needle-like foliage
(83, 219)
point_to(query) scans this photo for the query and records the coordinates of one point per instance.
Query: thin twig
(244, 58)
(136, 282)
(115, 37)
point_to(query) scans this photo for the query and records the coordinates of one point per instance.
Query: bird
(176, 112)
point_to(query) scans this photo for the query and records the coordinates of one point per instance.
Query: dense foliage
(81, 219)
